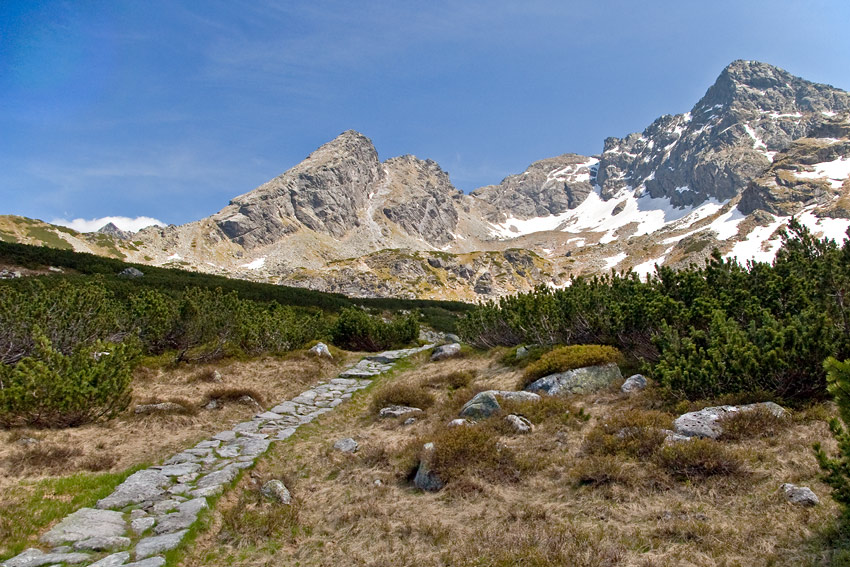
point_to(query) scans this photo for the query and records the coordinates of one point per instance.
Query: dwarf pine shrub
(837, 467)
(51, 389)
(357, 330)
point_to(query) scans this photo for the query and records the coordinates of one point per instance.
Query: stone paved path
(152, 510)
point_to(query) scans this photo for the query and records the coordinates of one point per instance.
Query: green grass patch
(30, 507)
(48, 238)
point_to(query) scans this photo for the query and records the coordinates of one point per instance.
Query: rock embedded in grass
(321, 350)
(707, 421)
(347, 445)
(800, 495)
(519, 423)
(578, 381)
(445, 351)
(426, 479)
(275, 490)
(397, 411)
(484, 404)
(634, 383)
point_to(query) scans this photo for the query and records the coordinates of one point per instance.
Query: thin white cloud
(124, 223)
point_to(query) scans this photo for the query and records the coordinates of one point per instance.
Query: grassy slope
(571, 503)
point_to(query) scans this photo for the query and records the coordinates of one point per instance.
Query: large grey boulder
(445, 351)
(482, 405)
(131, 273)
(84, 524)
(707, 422)
(578, 381)
(800, 495)
(140, 486)
(426, 479)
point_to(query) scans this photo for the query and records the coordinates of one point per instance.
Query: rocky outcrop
(325, 193)
(708, 422)
(548, 187)
(725, 141)
(578, 381)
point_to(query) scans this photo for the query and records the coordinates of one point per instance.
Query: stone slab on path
(84, 524)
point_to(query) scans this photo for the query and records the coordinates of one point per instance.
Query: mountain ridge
(759, 146)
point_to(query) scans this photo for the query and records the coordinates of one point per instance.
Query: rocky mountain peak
(112, 230)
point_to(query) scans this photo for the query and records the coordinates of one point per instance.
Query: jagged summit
(112, 230)
(759, 146)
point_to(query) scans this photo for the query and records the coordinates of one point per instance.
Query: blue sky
(168, 109)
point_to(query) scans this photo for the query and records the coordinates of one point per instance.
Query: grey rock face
(717, 148)
(397, 411)
(140, 486)
(634, 383)
(84, 524)
(578, 381)
(347, 445)
(114, 560)
(325, 192)
(707, 421)
(275, 490)
(519, 423)
(36, 558)
(131, 273)
(482, 405)
(158, 544)
(548, 187)
(800, 495)
(426, 479)
(102, 543)
(321, 350)
(425, 206)
(446, 351)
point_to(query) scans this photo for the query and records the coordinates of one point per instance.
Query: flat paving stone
(86, 523)
(140, 486)
(179, 470)
(114, 560)
(157, 544)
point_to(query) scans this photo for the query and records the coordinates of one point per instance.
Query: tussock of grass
(547, 408)
(755, 423)
(255, 521)
(599, 470)
(43, 457)
(633, 433)
(699, 458)
(569, 358)
(452, 380)
(463, 452)
(182, 406)
(232, 394)
(207, 374)
(400, 394)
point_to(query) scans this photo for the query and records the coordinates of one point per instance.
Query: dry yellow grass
(643, 516)
(133, 439)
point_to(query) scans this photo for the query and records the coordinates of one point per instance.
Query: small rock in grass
(426, 479)
(634, 383)
(445, 351)
(321, 350)
(277, 491)
(397, 411)
(519, 423)
(800, 495)
(347, 445)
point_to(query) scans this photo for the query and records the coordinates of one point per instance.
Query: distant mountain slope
(759, 147)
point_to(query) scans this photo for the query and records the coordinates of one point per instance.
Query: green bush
(357, 330)
(837, 467)
(569, 358)
(50, 389)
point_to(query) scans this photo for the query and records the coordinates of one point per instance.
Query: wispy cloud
(124, 223)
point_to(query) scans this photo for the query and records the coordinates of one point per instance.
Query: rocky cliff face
(760, 147)
(728, 139)
(324, 193)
